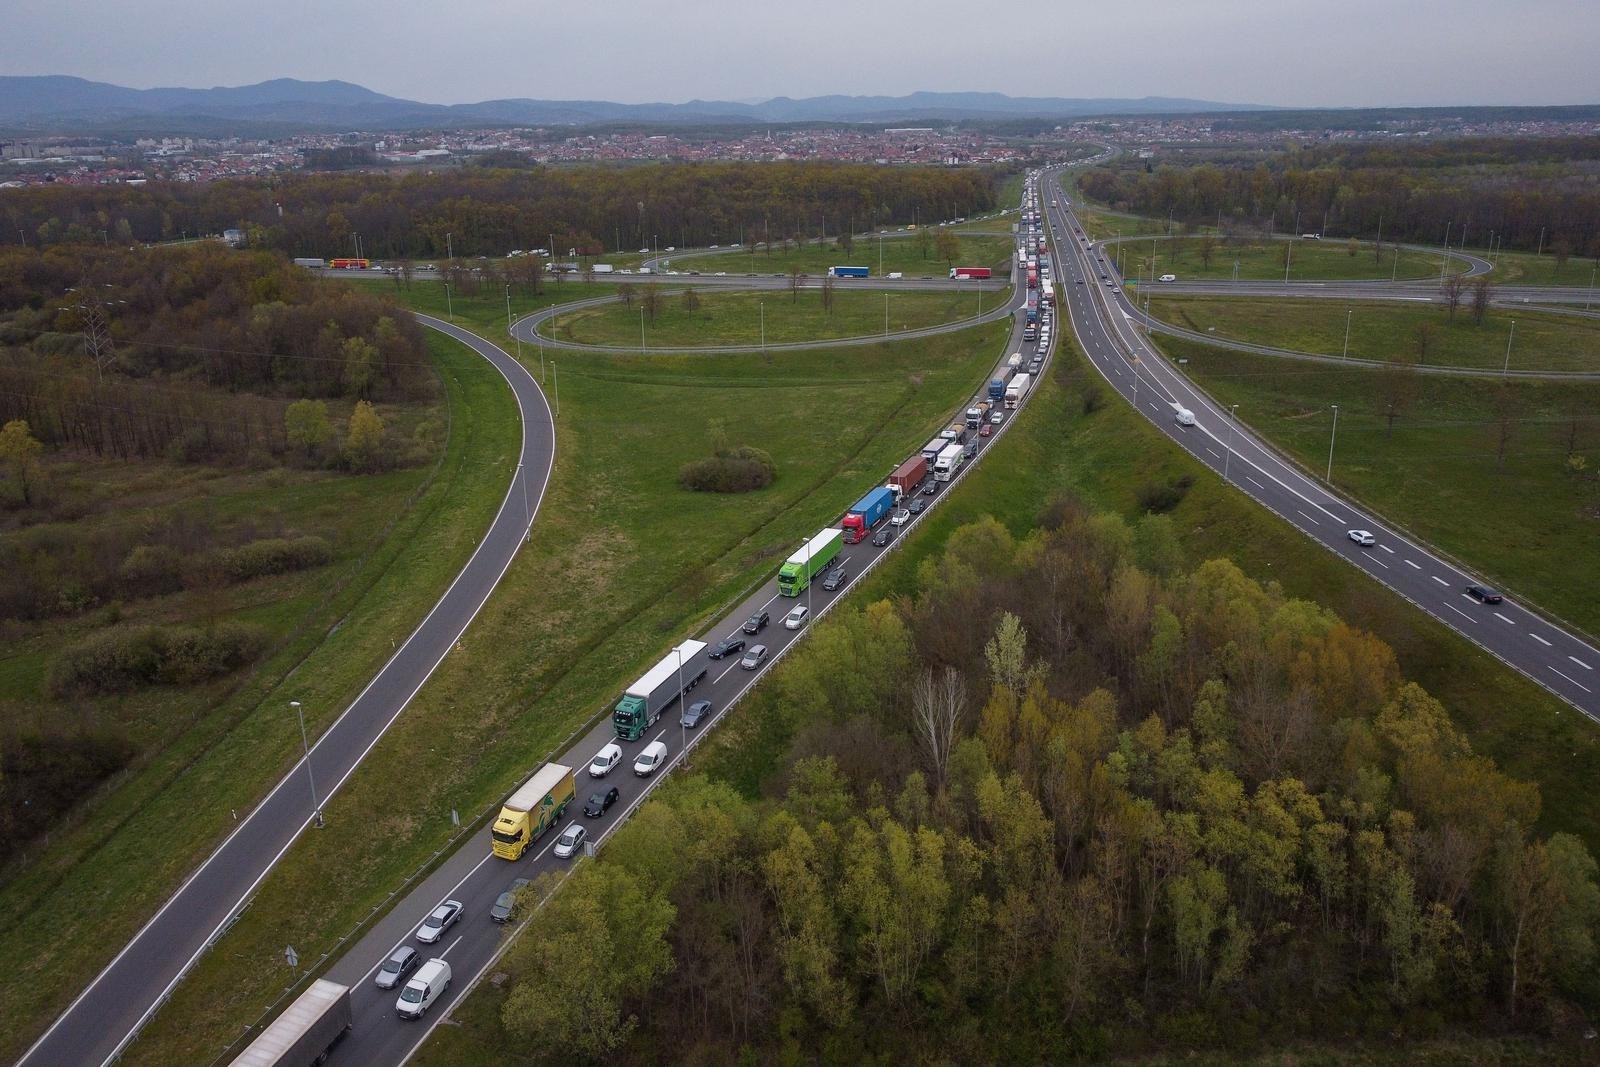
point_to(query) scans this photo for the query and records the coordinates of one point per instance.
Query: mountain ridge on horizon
(64, 103)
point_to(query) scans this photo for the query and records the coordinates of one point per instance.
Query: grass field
(1526, 268)
(621, 563)
(1389, 331)
(728, 318)
(1101, 458)
(99, 880)
(903, 252)
(1261, 260)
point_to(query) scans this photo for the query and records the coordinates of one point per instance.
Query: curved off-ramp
(108, 1014)
(526, 329)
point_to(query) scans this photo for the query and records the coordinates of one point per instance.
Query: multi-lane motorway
(475, 877)
(107, 1014)
(1104, 324)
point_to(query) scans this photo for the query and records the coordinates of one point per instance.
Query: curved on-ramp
(108, 1014)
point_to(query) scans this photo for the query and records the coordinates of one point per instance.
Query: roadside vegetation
(674, 316)
(622, 561)
(1399, 333)
(1074, 787)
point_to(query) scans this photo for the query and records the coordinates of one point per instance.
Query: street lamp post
(556, 377)
(1331, 437)
(508, 307)
(807, 545)
(305, 746)
(886, 312)
(1506, 370)
(1233, 420)
(449, 246)
(449, 305)
(1346, 353)
(761, 306)
(683, 731)
(523, 478)
(641, 329)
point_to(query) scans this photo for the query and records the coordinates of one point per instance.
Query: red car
(985, 430)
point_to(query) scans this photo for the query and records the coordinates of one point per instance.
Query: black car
(599, 802)
(930, 487)
(835, 579)
(917, 506)
(505, 905)
(695, 714)
(757, 622)
(726, 647)
(884, 536)
(1486, 593)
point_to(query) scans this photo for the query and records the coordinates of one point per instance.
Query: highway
(475, 877)
(97, 1025)
(1103, 322)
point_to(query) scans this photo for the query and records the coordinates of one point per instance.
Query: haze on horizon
(1357, 53)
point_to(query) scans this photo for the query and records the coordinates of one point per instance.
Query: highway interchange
(100, 1022)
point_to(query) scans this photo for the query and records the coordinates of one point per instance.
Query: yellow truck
(533, 809)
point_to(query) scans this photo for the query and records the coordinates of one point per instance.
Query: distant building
(233, 238)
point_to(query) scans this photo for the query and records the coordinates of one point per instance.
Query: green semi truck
(814, 557)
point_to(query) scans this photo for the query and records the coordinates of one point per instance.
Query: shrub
(1157, 497)
(274, 555)
(736, 471)
(125, 658)
(150, 570)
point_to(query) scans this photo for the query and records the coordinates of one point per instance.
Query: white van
(1184, 416)
(605, 761)
(1169, 277)
(425, 987)
(653, 756)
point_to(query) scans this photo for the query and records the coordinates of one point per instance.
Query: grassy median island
(914, 253)
(622, 562)
(717, 317)
(1213, 258)
(400, 538)
(1395, 332)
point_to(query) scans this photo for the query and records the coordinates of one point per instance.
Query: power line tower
(96, 316)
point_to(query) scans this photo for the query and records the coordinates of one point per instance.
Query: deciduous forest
(480, 211)
(1529, 193)
(1070, 798)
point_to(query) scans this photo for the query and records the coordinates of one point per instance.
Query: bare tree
(1454, 289)
(1561, 249)
(1397, 386)
(937, 706)
(1482, 293)
(626, 293)
(651, 301)
(1207, 248)
(827, 294)
(794, 284)
(691, 300)
(1422, 339)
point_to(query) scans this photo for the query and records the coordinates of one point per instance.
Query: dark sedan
(599, 801)
(727, 647)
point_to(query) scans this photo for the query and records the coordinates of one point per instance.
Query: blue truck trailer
(848, 272)
(868, 512)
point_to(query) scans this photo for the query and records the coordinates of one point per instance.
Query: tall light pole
(1288, 258)
(508, 307)
(886, 311)
(641, 329)
(556, 376)
(1331, 437)
(1233, 420)
(683, 731)
(1444, 258)
(449, 305)
(449, 246)
(761, 306)
(1506, 370)
(305, 746)
(1346, 353)
(1590, 297)
(807, 545)
(523, 477)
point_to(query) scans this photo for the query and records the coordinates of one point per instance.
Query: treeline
(1529, 194)
(477, 211)
(1067, 800)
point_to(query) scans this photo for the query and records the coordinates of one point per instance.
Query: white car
(997, 418)
(1183, 416)
(438, 921)
(899, 518)
(570, 841)
(1363, 538)
(795, 619)
(605, 761)
(653, 756)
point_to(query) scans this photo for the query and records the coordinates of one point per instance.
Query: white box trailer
(1018, 389)
(949, 461)
(305, 1031)
(931, 450)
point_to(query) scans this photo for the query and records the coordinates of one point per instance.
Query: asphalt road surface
(1562, 662)
(108, 1014)
(475, 877)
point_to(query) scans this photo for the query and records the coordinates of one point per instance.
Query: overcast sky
(1288, 52)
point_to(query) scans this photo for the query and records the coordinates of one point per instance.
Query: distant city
(76, 160)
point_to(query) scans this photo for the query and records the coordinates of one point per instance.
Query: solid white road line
(453, 944)
(1580, 663)
(1463, 614)
(1308, 518)
(1378, 561)
(1573, 680)
(1253, 482)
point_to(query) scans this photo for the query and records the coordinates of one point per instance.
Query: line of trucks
(866, 272)
(307, 1030)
